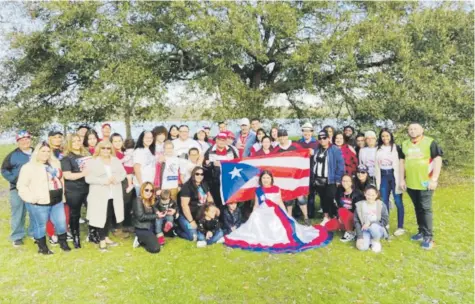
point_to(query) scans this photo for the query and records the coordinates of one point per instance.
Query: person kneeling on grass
(165, 205)
(346, 198)
(232, 218)
(209, 228)
(145, 219)
(371, 218)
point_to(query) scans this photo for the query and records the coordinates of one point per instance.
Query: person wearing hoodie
(309, 142)
(10, 170)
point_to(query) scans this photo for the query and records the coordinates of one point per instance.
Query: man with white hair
(420, 167)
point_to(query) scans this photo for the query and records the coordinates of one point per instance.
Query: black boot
(76, 239)
(42, 247)
(93, 237)
(63, 243)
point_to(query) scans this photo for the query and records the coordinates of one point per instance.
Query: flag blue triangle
(234, 176)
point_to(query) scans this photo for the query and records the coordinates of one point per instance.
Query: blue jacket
(12, 164)
(251, 139)
(336, 164)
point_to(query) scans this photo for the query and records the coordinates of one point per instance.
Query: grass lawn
(182, 273)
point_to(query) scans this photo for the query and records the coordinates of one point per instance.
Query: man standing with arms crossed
(420, 170)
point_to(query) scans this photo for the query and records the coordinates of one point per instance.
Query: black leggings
(148, 240)
(104, 232)
(75, 201)
(327, 198)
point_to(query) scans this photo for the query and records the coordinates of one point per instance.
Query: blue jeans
(185, 231)
(388, 185)
(18, 217)
(40, 215)
(159, 223)
(375, 232)
(216, 236)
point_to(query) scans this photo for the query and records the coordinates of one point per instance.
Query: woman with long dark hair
(194, 197)
(258, 144)
(173, 132)
(386, 172)
(348, 152)
(90, 140)
(144, 159)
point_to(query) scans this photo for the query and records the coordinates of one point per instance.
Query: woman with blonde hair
(74, 166)
(40, 185)
(145, 216)
(105, 175)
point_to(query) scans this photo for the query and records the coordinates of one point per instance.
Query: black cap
(322, 133)
(54, 133)
(362, 168)
(282, 132)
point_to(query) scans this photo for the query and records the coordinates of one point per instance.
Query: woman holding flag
(271, 229)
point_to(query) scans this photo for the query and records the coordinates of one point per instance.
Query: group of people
(167, 184)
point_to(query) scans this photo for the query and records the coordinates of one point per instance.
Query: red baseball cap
(231, 135)
(222, 135)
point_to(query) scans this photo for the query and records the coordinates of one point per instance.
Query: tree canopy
(371, 61)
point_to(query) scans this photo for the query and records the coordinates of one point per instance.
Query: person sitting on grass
(209, 228)
(371, 219)
(145, 219)
(346, 198)
(232, 218)
(164, 224)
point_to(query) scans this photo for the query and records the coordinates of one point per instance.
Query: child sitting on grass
(232, 218)
(168, 208)
(371, 218)
(209, 229)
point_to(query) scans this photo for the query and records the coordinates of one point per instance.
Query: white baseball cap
(244, 122)
(307, 125)
(370, 134)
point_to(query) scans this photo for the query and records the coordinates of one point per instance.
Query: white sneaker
(220, 241)
(320, 210)
(348, 236)
(325, 220)
(399, 232)
(136, 243)
(376, 247)
(81, 221)
(201, 244)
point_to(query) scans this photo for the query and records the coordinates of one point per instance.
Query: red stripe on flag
(287, 172)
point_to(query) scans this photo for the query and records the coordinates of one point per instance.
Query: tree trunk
(65, 130)
(128, 126)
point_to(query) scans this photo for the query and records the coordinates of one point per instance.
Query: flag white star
(235, 173)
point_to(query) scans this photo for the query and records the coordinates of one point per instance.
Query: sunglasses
(44, 144)
(199, 174)
(361, 172)
(106, 148)
(148, 190)
(320, 138)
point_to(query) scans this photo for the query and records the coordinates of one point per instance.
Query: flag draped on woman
(291, 171)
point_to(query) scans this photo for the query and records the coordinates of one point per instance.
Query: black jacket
(205, 225)
(164, 207)
(231, 219)
(143, 217)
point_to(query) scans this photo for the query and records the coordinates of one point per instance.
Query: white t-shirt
(147, 161)
(186, 168)
(369, 212)
(368, 158)
(385, 158)
(171, 171)
(181, 148)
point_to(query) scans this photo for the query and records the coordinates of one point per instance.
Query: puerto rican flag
(291, 171)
